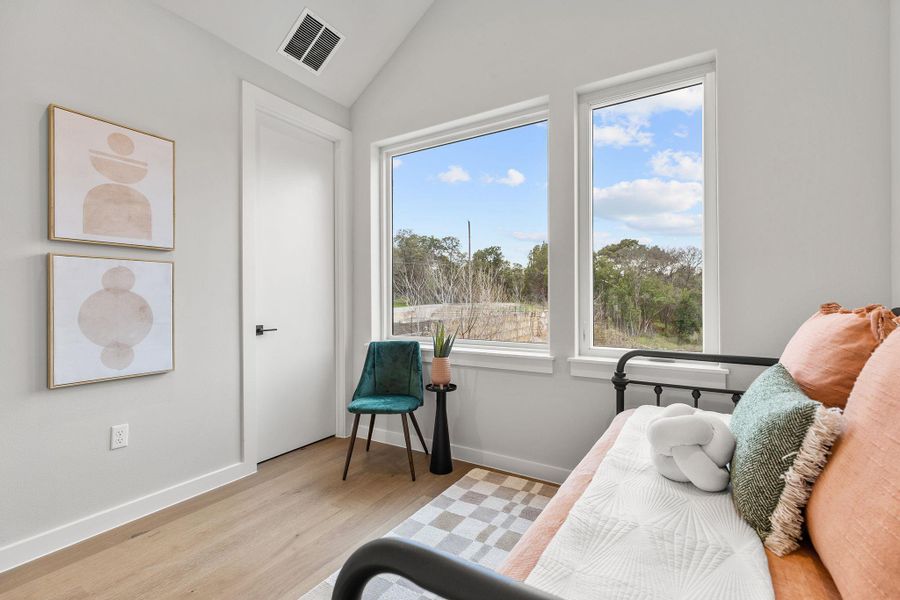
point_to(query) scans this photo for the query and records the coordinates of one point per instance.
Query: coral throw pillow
(828, 351)
(853, 514)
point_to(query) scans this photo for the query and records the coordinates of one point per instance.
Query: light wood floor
(275, 534)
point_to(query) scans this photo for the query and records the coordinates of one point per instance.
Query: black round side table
(441, 462)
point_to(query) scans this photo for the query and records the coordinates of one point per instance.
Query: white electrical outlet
(118, 436)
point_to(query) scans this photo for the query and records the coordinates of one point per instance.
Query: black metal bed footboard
(440, 573)
(620, 380)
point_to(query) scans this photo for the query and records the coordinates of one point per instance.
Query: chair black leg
(371, 427)
(419, 431)
(412, 469)
(352, 441)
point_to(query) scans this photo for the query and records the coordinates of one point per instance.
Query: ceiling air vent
(311, 42)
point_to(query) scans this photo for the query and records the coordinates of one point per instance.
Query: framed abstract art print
(108, 319)
(109, 184)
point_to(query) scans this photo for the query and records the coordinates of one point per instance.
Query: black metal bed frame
(440, 573)
(456, 579)
(453, 578)
(620, 381)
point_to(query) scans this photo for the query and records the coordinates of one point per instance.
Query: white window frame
(616, 93)
(482, 352)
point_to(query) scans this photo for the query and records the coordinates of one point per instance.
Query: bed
(798, 575)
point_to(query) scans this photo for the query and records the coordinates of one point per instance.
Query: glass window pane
(470, 237)
(648, 222)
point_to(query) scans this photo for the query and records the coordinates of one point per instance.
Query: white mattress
(635, 534)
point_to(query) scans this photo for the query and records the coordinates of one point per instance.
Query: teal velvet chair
(390, 384)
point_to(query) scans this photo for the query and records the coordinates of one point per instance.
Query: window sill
(682, 373)
(506, 359)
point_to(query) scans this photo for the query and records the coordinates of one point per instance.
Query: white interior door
(295, 274)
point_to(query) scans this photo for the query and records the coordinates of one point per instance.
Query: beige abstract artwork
(109, 319)
(110, 184)
(115, 318)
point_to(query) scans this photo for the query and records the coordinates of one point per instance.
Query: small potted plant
(440, 365)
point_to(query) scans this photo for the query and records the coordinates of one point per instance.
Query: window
(650, 228)
(467, 218)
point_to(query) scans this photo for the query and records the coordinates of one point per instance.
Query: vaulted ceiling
(373, 30)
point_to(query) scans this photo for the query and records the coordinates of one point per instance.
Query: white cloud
(667, 223)
(651, 205)
(512, 179)
(454, 174)
(680, 165)
(644, 196)
(686, 100)
(681, 131)
(623, 124)
(396, 163)
(531, 236)
(619, 136)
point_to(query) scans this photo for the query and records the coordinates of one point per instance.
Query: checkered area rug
(479, 518)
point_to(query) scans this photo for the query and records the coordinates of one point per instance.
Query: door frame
(255, 100)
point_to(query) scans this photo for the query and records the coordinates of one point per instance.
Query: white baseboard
(29, 549)
(26, 550)
(475, 456)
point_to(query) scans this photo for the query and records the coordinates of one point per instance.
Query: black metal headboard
(620, 380)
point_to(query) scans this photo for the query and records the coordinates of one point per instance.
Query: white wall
(804, 171)
(132, 62)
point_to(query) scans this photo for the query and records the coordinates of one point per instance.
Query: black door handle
(260, 329)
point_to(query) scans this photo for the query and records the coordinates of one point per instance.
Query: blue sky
(647, 180)
(498, 181)
(648, 170)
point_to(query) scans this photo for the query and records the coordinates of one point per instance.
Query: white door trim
(255, 100)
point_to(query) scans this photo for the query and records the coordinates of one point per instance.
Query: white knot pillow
(690, 445)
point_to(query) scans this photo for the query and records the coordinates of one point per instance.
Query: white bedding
(634, 534)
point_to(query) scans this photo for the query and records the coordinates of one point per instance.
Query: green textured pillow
(783, 440)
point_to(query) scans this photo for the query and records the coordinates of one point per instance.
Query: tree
(473, 296)
(513, 277)
(688, 315)
(489, 259)
(536, 274)
(644, 295)
(425, 268)
(642, 290)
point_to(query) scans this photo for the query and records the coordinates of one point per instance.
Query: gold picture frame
(102, 209)
(166, 335)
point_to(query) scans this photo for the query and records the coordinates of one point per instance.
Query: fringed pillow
(829, 350)
(783, 440)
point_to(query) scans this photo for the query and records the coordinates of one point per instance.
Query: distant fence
(495, 321)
